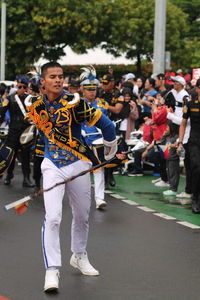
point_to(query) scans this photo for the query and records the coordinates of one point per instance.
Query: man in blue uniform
(92, 134)
(59, 116)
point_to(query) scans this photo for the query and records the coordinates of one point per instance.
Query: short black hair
(151, 81)
(3, 87)
(127, 91)
(198, 83)
(160, 76)
(51, 64)
(127, 84)
(74, 83)
(173, 128)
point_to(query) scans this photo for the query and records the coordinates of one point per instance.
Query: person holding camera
(148, 98)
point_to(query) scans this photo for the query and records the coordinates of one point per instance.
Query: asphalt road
(139, 256)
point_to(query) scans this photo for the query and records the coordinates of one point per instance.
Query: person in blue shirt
(92, 135)
(148, 98)
(59, 115)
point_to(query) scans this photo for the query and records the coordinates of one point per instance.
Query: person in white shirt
(176, 94)
(131, 77)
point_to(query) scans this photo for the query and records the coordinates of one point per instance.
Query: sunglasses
(22, 87)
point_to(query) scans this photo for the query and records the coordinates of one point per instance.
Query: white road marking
(147, 209)
(108, 192)
(117, 196)
(190, 225)
(164, 216)
(130, 202)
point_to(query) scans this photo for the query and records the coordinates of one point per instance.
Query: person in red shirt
(159, 117)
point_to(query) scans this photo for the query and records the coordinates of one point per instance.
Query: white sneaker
(51, 280)
(183, 201)
(161, 183)
(100, 203)
(81, 262)
(184, 195)
(169, 193)
(156, 180)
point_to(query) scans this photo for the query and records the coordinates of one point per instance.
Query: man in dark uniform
(74, 86)
(110, 94)
(192, 110)
(15, 104)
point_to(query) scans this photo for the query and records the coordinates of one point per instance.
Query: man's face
(21, 89)
(147, 84)
(89, 94)
(178, 86)
(109, 86)
(158, 82)
(53, 81)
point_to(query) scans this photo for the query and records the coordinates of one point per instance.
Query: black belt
(178, 104)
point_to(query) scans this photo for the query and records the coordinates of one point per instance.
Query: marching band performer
(92, 135)
(59, 115)
(36, 89)
(17, 109)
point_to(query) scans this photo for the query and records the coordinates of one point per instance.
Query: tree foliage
(43, 28)
(133, 33)
(38, 28)
(192, 9)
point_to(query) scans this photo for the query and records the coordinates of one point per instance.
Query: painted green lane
(142, 191)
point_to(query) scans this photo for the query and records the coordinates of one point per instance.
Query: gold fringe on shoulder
(96, 118)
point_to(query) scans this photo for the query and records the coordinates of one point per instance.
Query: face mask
(162, 101)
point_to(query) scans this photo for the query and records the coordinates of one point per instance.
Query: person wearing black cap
(74, 86)
(113, 96)
(192, 110)
(16, 106)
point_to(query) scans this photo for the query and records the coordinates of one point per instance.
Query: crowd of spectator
(153, 106)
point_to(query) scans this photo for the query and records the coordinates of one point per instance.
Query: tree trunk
(138, 64)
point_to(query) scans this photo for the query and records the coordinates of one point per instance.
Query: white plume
(88, 72)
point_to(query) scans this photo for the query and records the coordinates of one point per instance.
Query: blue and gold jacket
(92, 131)
(60, 121)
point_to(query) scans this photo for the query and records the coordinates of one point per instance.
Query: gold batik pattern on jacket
(77, 112)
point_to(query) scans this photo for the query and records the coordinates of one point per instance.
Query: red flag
(21, 208)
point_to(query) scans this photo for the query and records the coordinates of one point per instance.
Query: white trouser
(99, 184)
(79, 194)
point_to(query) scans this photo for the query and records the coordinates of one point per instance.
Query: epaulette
(29, 100)
(102, 103)
(70, 100)
(121, 99)
(5, 102)
(37, 100)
